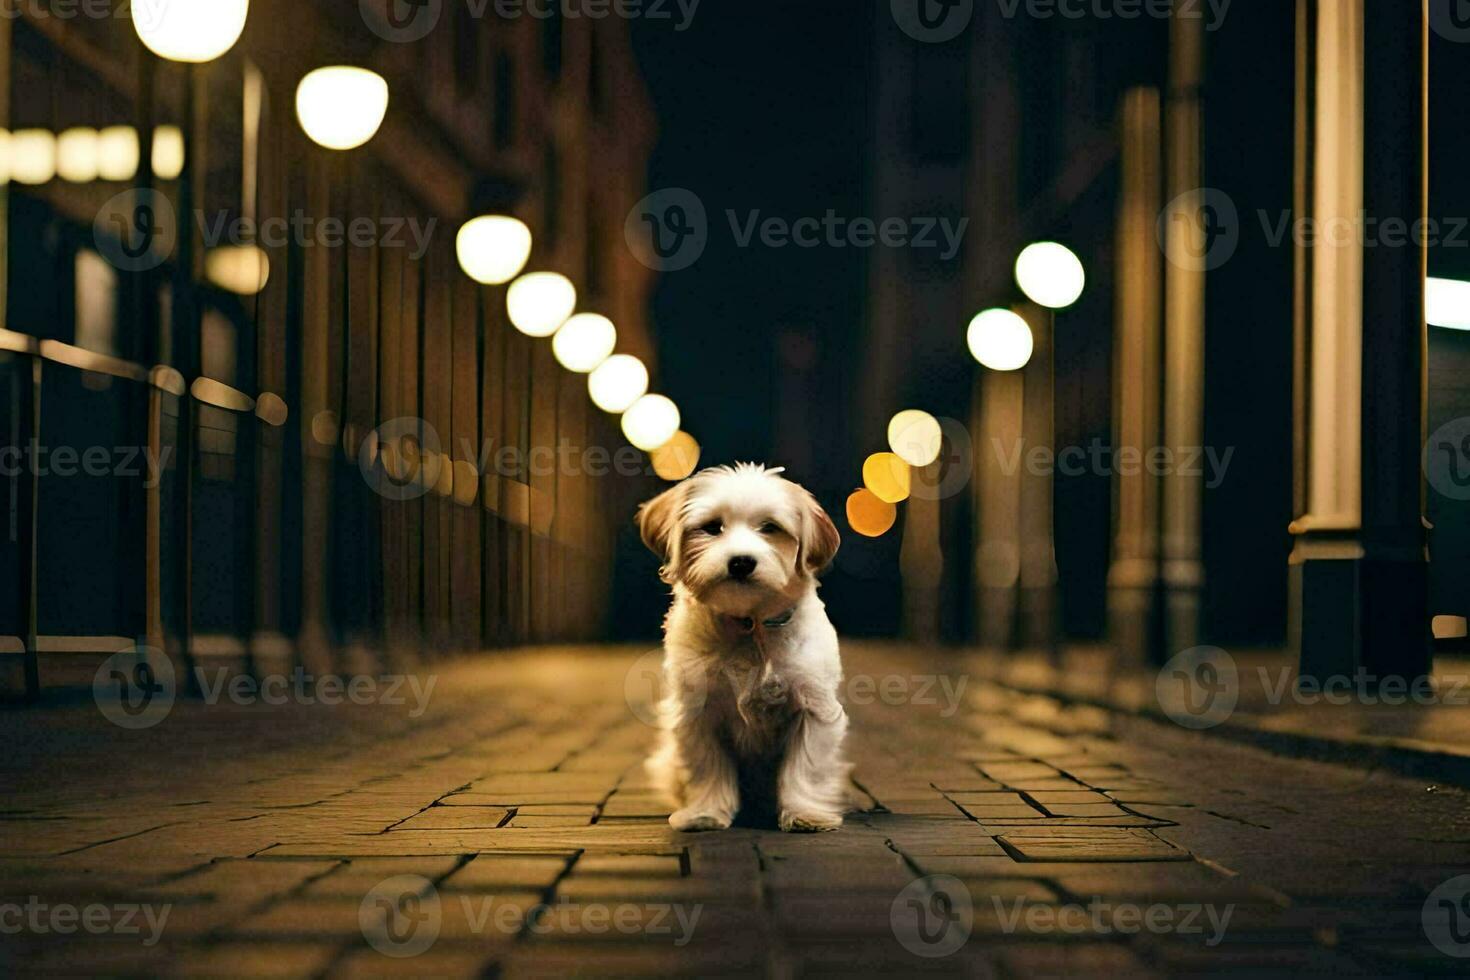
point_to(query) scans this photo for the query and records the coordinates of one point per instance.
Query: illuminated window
(96, 299)
(217, 338)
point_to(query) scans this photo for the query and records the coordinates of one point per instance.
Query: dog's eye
(712, 528)
(770, 527)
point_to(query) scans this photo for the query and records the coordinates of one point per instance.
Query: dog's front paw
(690, 820)
(809, 823)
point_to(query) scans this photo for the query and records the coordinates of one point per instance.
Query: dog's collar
(747, 624)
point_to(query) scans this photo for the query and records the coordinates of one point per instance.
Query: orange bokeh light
(869, 516)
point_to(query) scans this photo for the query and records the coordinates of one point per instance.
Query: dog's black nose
(741, 566)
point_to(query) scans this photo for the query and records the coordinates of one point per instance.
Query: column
(999, 461)
(1184, 333)
(1038, 555)
(1134, 584)
(1358, 565)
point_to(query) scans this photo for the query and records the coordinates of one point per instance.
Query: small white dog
(750, 717)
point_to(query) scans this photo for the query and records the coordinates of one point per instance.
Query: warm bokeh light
(168, 152)
(190, 30)
(76, 155)
(869, 516)
(1447, 303)
(650, 422)
(540, 302)
(617, 383)
(887, 476)
(493, 248)
(117, 153)
(915, 436)
(677, 458)
(32, 156)
(341, 107)
(584, 341)
(241, 269)
(1000, 339)
(1050, 274)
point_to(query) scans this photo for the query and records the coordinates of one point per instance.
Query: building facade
(352, 451)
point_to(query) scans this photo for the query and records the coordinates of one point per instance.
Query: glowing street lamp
(651, 422)
(32, 155)
(617, 383)
(341, 107)
(241, 269)
(540, 302)
(1050, 275)
(584, 341)
(118, 152)
(77, 155)
(915, 437)
(493, 248)
(1447, 303)
(1000, 339)
(167, 152)
(190, 30)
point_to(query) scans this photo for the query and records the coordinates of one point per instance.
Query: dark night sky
(764, 107)
(760, 107)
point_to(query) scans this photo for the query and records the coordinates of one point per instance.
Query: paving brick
(646, 866)
(1088, 844)
(491, 872)
(455, 818)
(445, 961)
(260, 959)
(539, 821)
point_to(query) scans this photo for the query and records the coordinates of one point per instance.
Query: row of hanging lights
(341, 107)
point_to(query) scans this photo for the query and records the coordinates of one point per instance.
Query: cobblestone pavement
(508, 830)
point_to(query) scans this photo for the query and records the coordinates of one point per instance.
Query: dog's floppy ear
(658, 523)
(819, 537)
